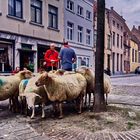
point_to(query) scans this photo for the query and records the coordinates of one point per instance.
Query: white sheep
(64, 88)
(9, 87)
(90, 77)
(34, 95)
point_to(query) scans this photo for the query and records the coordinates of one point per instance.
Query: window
(79, 61)
(80, 34)
(117, 62)
(6, 57)
(15, 8)
(121, 63)
(118, 25)
(117, 40)
(121, 41)
(88, 36)
(114, 38)
(113, 22)
(87, 64)
(70, 30)
(132, 55)
(95, 37)
(53, 17)
(135, 56)
(80, 10)
(36, 11)
(121, 28)
(108, 41)
(138, 57)
(82, 61)
(88, 15)
(70, 5)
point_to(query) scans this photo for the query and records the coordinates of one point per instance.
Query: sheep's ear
(39, 96)
(45, 74)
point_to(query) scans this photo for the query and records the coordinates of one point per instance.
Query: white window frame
(80, 34)
(70, 31)
(88, 36)
(88, 15)
(70, 5)
(80, 58)
(80, 10)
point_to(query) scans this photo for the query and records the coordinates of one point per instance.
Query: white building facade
(78, 29)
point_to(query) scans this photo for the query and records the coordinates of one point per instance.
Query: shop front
(6, 57)
(27, 57)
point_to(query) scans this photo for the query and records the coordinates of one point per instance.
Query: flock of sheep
(25, 90)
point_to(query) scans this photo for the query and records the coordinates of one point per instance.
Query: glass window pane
(32, 14)
(18, 9)
(54, 22)
(38, 16)
(11, 7)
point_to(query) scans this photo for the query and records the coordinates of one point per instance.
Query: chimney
(112, 8)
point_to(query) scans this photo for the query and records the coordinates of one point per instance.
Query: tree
(99, 104)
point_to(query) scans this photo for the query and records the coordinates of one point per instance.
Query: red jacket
(51, 55)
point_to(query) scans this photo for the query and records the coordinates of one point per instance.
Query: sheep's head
(83, 70)
(25, 74)
(60, 72)
(42, 79)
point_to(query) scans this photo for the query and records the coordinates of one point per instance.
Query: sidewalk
(124, 75)
(123, 99)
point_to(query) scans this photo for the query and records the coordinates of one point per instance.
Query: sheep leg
(10, 104)
(106, 99)
(89, 100)
(33, 112)
(55, 109)
(61, 111)
(16, 104)
(85, 100)
(43, 110)
(21, 106)
(80, 104)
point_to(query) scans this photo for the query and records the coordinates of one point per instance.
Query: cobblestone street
(73, 127)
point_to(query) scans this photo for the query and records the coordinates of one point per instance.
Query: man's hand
(52, 61)
(44, 63)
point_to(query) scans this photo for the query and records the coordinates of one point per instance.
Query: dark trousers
(49, 68)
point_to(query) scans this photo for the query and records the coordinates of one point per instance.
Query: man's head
(52, 46)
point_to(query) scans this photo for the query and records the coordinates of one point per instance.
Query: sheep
(90, 77)
(64, 88)
(33, 95)
(9, 87)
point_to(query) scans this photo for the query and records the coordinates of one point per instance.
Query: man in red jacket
(51, 58)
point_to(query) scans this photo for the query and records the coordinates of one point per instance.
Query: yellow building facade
(134, 55)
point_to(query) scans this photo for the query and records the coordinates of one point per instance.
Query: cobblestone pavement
(16, 127)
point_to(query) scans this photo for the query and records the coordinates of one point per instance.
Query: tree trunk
(99, 99)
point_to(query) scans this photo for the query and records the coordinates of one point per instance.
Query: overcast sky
(129, 9)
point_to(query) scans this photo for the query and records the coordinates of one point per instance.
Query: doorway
(27, 60)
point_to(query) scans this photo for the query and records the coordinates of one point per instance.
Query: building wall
(82, 49)
(107, 50)
(25, 27)
(17, 31)
(133, 57)
(117, 50)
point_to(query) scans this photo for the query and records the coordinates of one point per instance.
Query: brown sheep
(64, 88)
(9, 87)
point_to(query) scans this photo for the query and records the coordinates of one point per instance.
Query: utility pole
(99, 104)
